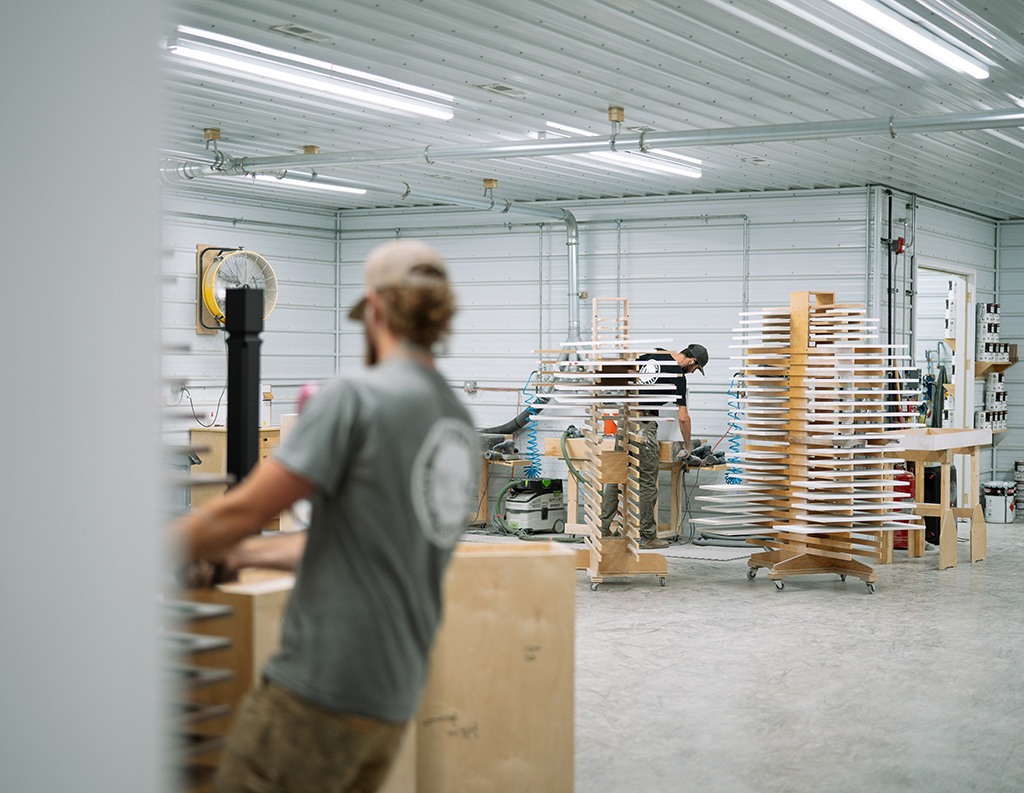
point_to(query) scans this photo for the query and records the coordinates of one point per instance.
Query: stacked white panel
(813, 409)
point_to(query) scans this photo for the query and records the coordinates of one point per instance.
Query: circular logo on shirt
(444, 481)
(649, 371)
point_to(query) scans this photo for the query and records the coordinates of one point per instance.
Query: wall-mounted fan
(239, 269)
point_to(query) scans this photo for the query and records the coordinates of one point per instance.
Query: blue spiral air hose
(532, 452)
(732, 473)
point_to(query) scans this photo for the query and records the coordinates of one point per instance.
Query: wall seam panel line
(337, 293)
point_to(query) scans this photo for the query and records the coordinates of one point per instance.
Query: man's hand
(202, 574)
(683, 416)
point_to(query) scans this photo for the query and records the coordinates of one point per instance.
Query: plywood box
(214, 460)
(497, 712)
(254, 628)
(933, 440)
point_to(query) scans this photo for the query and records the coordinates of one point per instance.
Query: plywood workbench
(922, 446)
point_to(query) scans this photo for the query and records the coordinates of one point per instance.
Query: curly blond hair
(421, 309)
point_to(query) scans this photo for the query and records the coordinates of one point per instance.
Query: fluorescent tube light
(900, 27)
(571, 130)
(361, 88)
(645, 162)
(654, 160)
(302, 183)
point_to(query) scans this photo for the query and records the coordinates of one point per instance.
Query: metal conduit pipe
(209, 165)
(815, 130)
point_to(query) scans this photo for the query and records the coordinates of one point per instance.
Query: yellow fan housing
(238, 270)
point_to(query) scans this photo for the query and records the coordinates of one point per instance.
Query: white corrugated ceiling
(698, 64)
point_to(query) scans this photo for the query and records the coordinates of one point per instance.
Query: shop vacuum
(535, 505)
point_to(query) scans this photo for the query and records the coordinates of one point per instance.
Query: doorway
(943, 350)
(940, 322)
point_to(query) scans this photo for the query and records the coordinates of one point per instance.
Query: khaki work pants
(284, 744)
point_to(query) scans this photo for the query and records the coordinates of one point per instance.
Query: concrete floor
(716, 683)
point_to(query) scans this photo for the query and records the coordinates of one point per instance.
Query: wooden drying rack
(813, 443)
(608, 357)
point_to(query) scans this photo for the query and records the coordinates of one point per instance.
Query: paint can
(999, 501)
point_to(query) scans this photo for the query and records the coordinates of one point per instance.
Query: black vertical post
(243, 320)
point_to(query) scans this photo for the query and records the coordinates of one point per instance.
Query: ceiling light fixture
(647, 162)
(219, 52)
(653, 160)
(899, 24)
(284, 181)
(571, 130)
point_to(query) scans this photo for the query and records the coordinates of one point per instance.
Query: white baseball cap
(393, 264)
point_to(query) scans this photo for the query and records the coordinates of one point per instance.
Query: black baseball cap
(699, 353)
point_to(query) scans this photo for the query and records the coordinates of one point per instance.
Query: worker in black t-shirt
(664, 368)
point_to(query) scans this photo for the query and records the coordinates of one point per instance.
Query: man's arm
(683, 415)
(278, 551)
(209, 530)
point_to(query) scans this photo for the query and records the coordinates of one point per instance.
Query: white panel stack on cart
(819, 399)
(601, 384)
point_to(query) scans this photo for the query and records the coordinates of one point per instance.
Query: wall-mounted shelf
(982, 368)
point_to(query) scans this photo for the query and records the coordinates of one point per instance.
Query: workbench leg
(979, 534)
(676, 500)
(947, 529)
(947, 540)
(483, 514)
(975, 477)
(574, 499)
(915, 537)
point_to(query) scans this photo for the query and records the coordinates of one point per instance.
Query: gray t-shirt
(394, 458)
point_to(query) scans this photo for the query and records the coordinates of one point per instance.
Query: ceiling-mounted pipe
(814, 130)
(189, 171)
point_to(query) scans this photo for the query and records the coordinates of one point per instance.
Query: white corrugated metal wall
(681, 262)
(1010, 283)
(688, 265)
(299, 338)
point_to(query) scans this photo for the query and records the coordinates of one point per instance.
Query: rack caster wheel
(594, 585)
(751, 573)
(780, 584)
(872, 588)
(842, 576)
(664, 581)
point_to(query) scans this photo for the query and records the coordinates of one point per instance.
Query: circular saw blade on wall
(240, 269)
